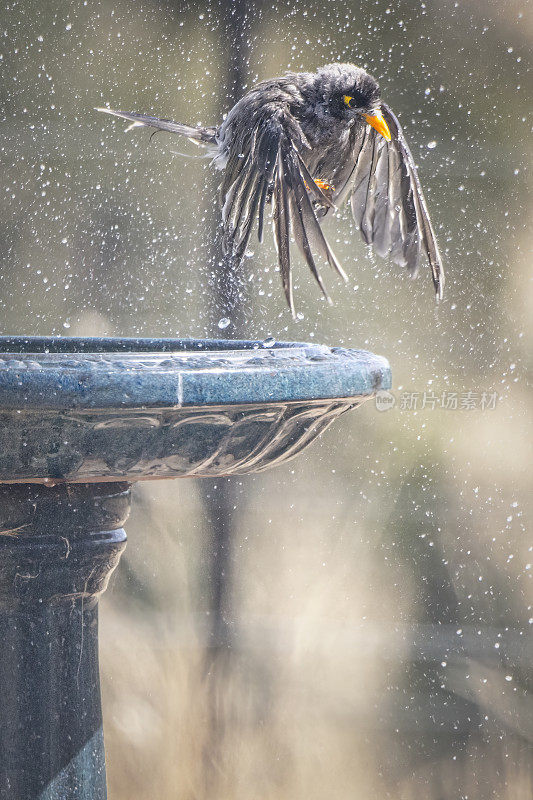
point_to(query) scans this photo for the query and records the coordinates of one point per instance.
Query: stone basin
(83, 410)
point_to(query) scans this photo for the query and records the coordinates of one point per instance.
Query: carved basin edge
(101, 415)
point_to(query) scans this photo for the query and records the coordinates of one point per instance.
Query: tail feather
(204, 136)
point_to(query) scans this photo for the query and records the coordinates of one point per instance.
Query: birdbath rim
(55, 372)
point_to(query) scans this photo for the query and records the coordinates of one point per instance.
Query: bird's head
(349, 92)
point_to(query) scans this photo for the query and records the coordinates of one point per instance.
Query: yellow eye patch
(347, 99)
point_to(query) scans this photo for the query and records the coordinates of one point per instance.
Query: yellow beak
(377, 122)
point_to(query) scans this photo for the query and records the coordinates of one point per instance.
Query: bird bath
(83, 419)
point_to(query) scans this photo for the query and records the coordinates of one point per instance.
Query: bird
(303, 144)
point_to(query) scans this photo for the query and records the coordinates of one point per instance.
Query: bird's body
(304, 143)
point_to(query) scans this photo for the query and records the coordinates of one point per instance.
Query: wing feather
(418, 222)
(362, 177)
(314, 232)
(245, 225)
(204, 136)
(388, 204)
(367, 221)
(381, 224)
(297, 197)
(233, 205)
(345, 178)
(280, 221)
(427, 234)
(261, 212)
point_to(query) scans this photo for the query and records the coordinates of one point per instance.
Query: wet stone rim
(57, 373)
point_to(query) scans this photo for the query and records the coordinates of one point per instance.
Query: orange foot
(324, 187)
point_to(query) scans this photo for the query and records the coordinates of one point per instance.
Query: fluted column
(58, 547)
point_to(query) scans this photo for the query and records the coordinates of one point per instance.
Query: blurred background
(356, 623)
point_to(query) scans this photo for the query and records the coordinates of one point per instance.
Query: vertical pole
(227, 297)
(227, 301)
(227, 294)
(58, 547)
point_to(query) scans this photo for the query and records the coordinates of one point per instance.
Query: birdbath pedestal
(81, 420)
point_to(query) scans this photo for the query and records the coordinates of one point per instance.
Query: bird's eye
(355, 100)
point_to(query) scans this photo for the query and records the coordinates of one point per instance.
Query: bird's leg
(326, 187)
(328, 190)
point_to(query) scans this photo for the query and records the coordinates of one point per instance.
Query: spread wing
(269, 166)
(387, 201)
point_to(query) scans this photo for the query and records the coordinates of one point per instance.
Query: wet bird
(304, 143)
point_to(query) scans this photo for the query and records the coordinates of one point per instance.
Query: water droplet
(66, 324)
(269, 341)
(431, 145)
(223, 323)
